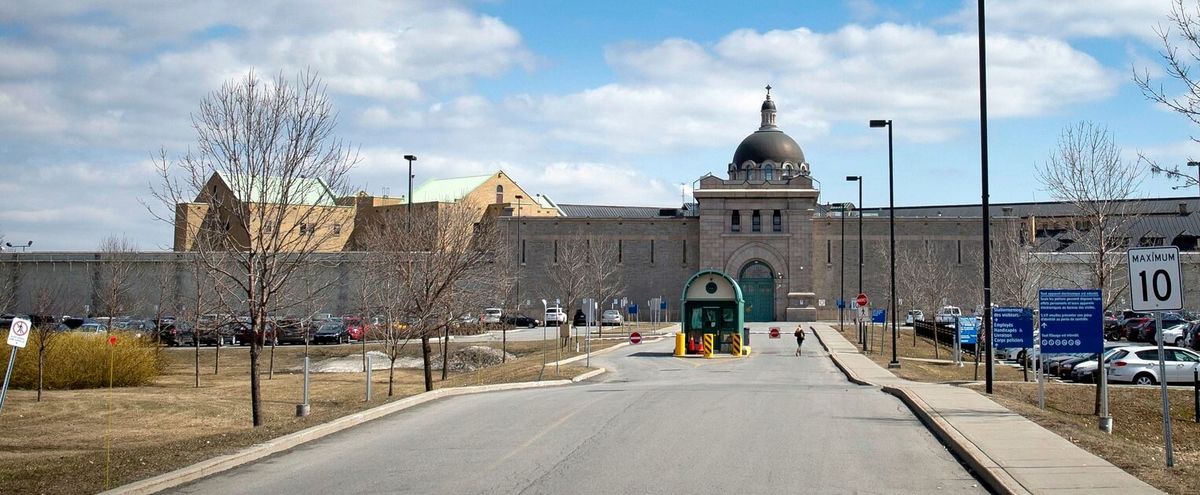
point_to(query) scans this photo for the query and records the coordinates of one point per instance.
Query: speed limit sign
(1154, 281)
(18, 333)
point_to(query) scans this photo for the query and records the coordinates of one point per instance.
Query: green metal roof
(448, 190)
(301, 191)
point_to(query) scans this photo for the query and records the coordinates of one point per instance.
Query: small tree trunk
(391, 374)
(255, 391)
(271, 363)
(445, 352)
(936, 345)
(196, 345)
(425, 358)
(41, 363)
(217, 359)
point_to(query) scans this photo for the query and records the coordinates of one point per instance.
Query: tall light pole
(895, 363)
(987, 214)
(23, 248)
(410, 158)
(861, 327)
(842, 265)
(517, 283)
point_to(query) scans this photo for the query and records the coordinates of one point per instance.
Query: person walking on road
(799, 339)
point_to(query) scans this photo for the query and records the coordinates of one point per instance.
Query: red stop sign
(774, 332)
(635, 338)
(861, 299)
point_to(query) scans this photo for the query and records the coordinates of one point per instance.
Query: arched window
(768, 172)
(499, 194)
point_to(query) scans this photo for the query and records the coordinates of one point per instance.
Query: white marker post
(1155, 285)
(18, 336)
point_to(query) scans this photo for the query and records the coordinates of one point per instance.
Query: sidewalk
(1010, 453)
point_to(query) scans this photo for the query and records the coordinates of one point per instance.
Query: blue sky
(587, 102)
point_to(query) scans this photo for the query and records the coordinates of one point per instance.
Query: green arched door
(758, 288)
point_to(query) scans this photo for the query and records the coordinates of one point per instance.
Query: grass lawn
(1136, 444)
(81, 441)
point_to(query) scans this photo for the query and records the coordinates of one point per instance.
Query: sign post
(1155, 285)
(861, 301)
(18, 336)
(1072, 320)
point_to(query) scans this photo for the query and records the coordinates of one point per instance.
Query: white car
(1174, 335)
(913, 316)
(948, 314)
(491, 316)
(1139, 365)
(556, 315)
(611, 317)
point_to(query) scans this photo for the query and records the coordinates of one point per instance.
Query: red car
(355, 327)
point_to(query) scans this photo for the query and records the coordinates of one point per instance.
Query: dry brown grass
(1136, 444)
(60, 445)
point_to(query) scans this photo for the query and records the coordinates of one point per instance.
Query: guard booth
(712, 304)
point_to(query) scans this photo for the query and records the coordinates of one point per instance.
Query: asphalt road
(770, 423)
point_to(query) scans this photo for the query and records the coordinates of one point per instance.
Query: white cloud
(1069, 18)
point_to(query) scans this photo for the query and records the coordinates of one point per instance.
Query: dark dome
(768, 105)
(768, 145)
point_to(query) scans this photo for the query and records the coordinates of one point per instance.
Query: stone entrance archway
(757, 281)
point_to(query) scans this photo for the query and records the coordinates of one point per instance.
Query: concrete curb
(274, 446)
(996, 479)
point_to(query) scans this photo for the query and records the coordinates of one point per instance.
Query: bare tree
(568, 275)
(428, 263)
(261, 188)
(927, 278)
(115, 278)
(46, 301)
(1018, 272)
(602, 278)
(1088, 173)
(1180, 55)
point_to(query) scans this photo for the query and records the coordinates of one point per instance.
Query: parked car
(176, 334)
(555, 315)
(1084, 372)
(491, 316)
(354, 327)
(948, 314)
(1066, 367)
(1139, 365)
(913, 316)
(521, 320)
(1147, 332)
(611, 317)
(334, 333)
(92, 328)
(1191, 338)
(1174, 335)
(291, 331)
(579, 319)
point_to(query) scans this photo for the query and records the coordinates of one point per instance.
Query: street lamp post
(987, 214)
(862, 328)
(410, 158)
(842, 265)
(895, 363)
(23, 248)
(1197, 165)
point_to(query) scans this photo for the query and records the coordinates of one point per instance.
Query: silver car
(1139, 365)
(611, 317)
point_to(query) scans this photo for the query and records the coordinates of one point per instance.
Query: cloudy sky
(589, 102)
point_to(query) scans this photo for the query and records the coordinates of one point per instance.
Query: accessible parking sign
(1071, 320)
(1012, 327)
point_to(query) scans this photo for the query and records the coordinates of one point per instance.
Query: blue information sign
(1012, 327)
(662, 304)
(968, 330)
(1071, 320)
(841, 304)
(879, 316)
(633, 309)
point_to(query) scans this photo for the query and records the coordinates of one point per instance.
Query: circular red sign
(861, 299)
(774, 332)
(635, 338)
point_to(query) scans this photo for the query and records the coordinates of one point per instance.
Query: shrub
(77, 360)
